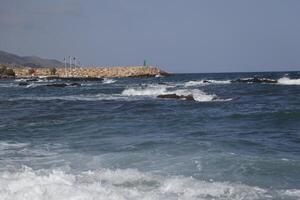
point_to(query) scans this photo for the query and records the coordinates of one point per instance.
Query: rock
(23, 84)
(254, 80)
(175, 96)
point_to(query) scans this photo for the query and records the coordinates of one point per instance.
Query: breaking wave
(155, 90)
(108, 81)
(116, 184)
(148, 90)
(288, 81)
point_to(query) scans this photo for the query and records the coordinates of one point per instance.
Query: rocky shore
(91, 72)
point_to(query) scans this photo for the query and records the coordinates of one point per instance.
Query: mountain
(29, 61)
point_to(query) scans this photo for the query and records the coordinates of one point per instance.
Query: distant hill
(29, 61)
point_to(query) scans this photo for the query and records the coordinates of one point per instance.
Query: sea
(113, 139)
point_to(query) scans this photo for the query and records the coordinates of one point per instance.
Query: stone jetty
(91, 72)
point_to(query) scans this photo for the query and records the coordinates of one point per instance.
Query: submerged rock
(175, 96)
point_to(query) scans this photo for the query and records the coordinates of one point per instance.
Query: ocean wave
(116, 184)
(8, 85)
(206, 82)
(288, 81)
(97, 97)
(6, 145)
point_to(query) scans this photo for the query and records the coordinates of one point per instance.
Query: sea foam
(288, 81)
(115, 184)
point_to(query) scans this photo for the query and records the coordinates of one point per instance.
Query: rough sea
(115, 140)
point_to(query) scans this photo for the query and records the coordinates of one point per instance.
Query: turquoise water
(114, 139)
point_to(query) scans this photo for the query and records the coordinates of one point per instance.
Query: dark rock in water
(32, 80)
(75, 84)
(175, 96)
(254, 80)
(23, 84)
(57, 85)
(206, 81)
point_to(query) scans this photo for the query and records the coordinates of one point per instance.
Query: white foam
(288, 81)
(149, 90)
(292, 193)
(198, 95)
(205, 82)
(108, 81)
(117, 184)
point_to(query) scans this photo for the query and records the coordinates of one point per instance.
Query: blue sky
(177, 35)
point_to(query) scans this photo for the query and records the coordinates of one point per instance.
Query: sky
(176, 35)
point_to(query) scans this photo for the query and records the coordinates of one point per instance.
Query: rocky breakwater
(92, 72)
(113, 72)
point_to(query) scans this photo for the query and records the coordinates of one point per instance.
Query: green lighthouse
(145, 63)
